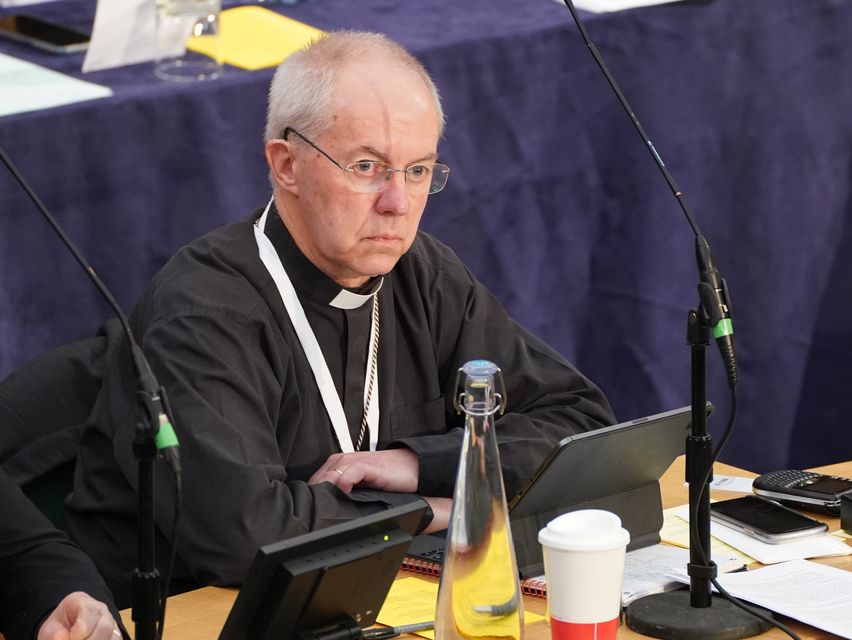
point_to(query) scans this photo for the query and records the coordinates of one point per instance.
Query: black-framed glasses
(373, 176)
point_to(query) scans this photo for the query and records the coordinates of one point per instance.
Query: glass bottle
(479, 594)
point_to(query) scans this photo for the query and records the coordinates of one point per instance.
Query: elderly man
(310, 351)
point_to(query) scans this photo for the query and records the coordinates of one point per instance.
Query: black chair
(44, 407)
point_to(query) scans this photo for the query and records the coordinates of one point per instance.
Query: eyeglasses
(373, 176)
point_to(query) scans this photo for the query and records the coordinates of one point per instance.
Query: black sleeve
(548, 398)
(237, 443)
(39, 566)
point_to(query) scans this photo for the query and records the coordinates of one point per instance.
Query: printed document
(812, 593)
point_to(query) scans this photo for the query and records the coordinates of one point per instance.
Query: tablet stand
(640, 509)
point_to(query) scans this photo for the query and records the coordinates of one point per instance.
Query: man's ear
(280, 159)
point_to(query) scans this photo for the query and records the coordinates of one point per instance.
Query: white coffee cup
(584, 566)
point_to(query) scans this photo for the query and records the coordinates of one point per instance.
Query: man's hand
(391, 470)
(79, 617)
(441, 508)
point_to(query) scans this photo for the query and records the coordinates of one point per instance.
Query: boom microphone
(715, 303)
(154, 434)
(713, 292)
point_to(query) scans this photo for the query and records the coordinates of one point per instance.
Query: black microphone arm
(672, 615)
(154, 435)
(712, 290)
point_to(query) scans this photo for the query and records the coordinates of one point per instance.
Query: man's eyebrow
(383, 157)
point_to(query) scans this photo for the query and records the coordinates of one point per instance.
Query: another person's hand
(391, 470)
(79, 617)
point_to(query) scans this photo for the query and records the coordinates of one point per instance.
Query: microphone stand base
(670, 616)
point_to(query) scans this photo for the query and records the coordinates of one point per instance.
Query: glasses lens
(372, 176)
(440, 173)
(367, 176)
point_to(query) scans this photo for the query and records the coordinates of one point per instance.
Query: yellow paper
(253, 38)
(413, 600)
(483, 596)
(675, 531)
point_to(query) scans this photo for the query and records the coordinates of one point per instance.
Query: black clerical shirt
(250, 418)
(343, 334)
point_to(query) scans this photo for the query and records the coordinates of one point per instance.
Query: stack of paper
(675, 531)
(817, 546)
(809, 592)
(649, 570)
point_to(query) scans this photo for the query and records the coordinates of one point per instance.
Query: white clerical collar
(312, 281)
(348, 300)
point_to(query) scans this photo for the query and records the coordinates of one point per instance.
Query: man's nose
(394, 199)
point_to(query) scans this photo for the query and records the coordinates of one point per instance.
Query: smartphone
(804, 489)
(765, 519)
(46, 35)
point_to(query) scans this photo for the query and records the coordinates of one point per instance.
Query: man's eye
(419, 171)
(364, 168)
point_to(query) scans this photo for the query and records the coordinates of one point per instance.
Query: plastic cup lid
(585, 530)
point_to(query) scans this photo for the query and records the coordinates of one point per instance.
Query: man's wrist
(428, 516)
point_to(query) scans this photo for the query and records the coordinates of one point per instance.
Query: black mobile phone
(46, 35)
(803, 489)
(765, 519)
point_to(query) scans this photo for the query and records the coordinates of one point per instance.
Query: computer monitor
(330, 580)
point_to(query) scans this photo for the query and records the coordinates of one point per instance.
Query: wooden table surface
(200, 614)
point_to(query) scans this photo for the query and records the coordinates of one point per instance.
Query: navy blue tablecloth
(553, 200)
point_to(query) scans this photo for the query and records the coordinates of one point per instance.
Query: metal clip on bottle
(479, 593)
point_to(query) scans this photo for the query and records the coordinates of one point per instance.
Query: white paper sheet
(732, 483)
(28, 87)
(123, 33)
(648, 570)
(602, 6)
(812, 593)
(811, 547)
(20, 3)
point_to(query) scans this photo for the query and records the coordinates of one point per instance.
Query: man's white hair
(303, 85)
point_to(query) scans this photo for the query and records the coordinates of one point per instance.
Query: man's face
(380, 113)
